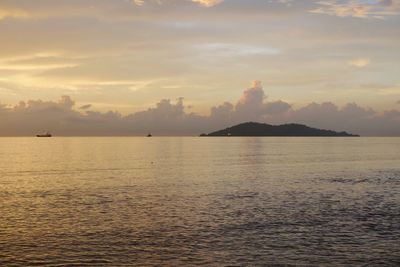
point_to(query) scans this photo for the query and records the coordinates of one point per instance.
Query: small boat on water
(44, 135)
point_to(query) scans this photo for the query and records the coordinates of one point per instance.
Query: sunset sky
(128, 55)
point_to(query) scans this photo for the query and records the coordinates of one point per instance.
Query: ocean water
(173, 201)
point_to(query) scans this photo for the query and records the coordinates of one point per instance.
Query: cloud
(171, 118)
(13, 13)
(138, 2)
(208, 3)
(205, 3)
(38, 62)
(252, 98)
(223, 111)
(252, 105)
(359, 62)
(277, 107)
(84, 107)
(231, 49)
(358, 8)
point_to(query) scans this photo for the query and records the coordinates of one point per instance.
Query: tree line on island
(263, 129)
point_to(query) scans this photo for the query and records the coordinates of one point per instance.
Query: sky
(183, 67)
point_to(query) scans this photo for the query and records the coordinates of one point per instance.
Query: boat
(149, 135)
(44, 135)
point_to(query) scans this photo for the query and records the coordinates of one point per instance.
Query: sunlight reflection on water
(199, 201)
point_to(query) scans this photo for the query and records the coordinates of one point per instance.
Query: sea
(199, 201)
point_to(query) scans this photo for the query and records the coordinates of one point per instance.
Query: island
(263, 129)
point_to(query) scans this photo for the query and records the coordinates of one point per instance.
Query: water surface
(199, 201)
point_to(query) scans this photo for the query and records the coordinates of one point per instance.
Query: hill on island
(262, 129)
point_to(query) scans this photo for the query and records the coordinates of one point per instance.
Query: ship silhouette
(44, 135)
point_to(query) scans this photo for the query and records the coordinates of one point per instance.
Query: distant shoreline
(182, 136)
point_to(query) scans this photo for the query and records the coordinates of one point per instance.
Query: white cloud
(359, 62)
(358, 8)
(138, 2)
(208, 3)
(13, 13)
(231, 49)
(205, 3)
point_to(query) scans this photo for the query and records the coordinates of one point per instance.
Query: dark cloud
(171, 118)
(86, 106)
(277, 107)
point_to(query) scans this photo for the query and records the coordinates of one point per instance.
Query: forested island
(263, 129)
